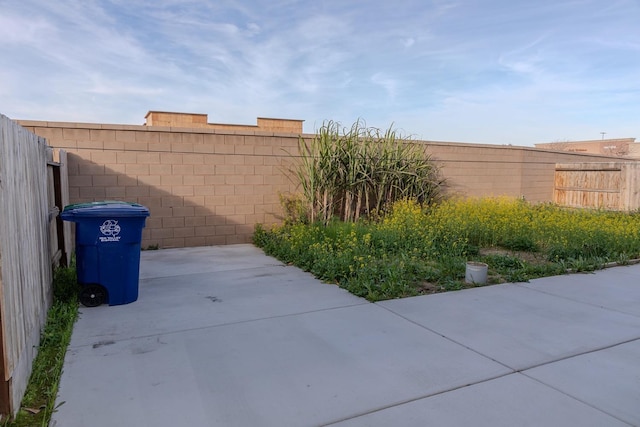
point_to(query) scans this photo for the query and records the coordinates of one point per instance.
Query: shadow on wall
(188, 214)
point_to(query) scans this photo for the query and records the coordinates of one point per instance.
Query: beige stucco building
(618, 147)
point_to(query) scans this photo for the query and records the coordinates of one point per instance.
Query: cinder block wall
(211, 186)
(202, 187)
(501, 170)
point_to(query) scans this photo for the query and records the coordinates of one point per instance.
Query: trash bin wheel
(93, 295)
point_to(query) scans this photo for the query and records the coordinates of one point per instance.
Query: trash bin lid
(106, 208)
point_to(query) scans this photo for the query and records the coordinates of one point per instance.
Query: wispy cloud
(493, 71)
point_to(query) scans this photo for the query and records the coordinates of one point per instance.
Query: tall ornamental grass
(347, 172)
(416, 248)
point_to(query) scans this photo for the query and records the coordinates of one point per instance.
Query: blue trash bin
(108, 236)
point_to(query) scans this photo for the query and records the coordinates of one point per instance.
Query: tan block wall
(165, 118)
(494, 170)
(202, 187)
(280, 125)
(194, 120)
(210, 187)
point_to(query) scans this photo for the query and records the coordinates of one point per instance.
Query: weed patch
(39, 399)
(414, 249)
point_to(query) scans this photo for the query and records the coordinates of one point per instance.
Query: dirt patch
(427, 288)
(531, 257)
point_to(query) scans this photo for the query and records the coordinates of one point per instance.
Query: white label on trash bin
(110, 229)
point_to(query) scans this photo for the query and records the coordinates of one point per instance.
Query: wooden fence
(608, 185)
(31, 183)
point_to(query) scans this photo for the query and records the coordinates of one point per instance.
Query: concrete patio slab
(302, 369)
(607, 379)
(612, 288)
(204, 259)
(513, 400)
(516, 325)
(201, 300)
(226, 336)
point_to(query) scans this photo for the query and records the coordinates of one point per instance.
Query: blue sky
(487, 71)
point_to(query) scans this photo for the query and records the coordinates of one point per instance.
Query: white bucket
(476, 273)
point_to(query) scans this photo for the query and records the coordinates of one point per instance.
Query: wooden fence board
(26, 233)
(611, 185)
